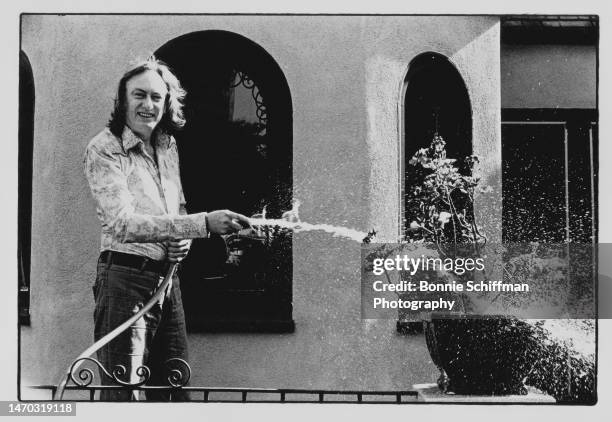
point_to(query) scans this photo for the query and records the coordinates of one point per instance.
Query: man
(133, 171)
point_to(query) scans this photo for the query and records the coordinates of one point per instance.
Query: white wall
(547, 76)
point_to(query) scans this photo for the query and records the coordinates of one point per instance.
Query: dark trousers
(155, 340)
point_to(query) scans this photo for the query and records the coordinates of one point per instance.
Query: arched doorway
(436, 101)
(236, 152)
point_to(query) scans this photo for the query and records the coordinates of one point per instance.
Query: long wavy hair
(172, 119)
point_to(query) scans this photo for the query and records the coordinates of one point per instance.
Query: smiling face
(145, 103)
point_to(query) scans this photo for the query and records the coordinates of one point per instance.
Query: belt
(138, 262)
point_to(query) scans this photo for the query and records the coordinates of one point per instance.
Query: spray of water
(337, 231)
(291, 220)
(565, 368)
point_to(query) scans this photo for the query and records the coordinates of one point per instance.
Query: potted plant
(440, 211)
(491, 354)
(471, 354)
(486, 355)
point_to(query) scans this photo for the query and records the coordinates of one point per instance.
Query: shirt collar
(165, 140)
(131, 140)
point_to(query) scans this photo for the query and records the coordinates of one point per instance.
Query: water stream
(300, 226)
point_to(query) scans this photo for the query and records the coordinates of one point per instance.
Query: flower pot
(489, 355)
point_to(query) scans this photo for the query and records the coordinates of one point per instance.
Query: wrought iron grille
(241, 78)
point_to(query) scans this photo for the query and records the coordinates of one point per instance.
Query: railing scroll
(85, 376)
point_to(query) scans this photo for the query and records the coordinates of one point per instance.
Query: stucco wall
(476, 57)
(345, 75)
(545, 76)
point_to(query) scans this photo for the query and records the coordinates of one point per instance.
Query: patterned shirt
(139, 202)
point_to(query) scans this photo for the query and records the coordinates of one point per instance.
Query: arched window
(26, 142)
(236, 152)
(436, 101)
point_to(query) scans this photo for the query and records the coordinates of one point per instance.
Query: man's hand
(226, 221)
(178, 249)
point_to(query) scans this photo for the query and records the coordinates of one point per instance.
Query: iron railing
(84, 377)
(180, 372)
(250, 395)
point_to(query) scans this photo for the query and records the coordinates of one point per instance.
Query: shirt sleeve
(114, 203)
